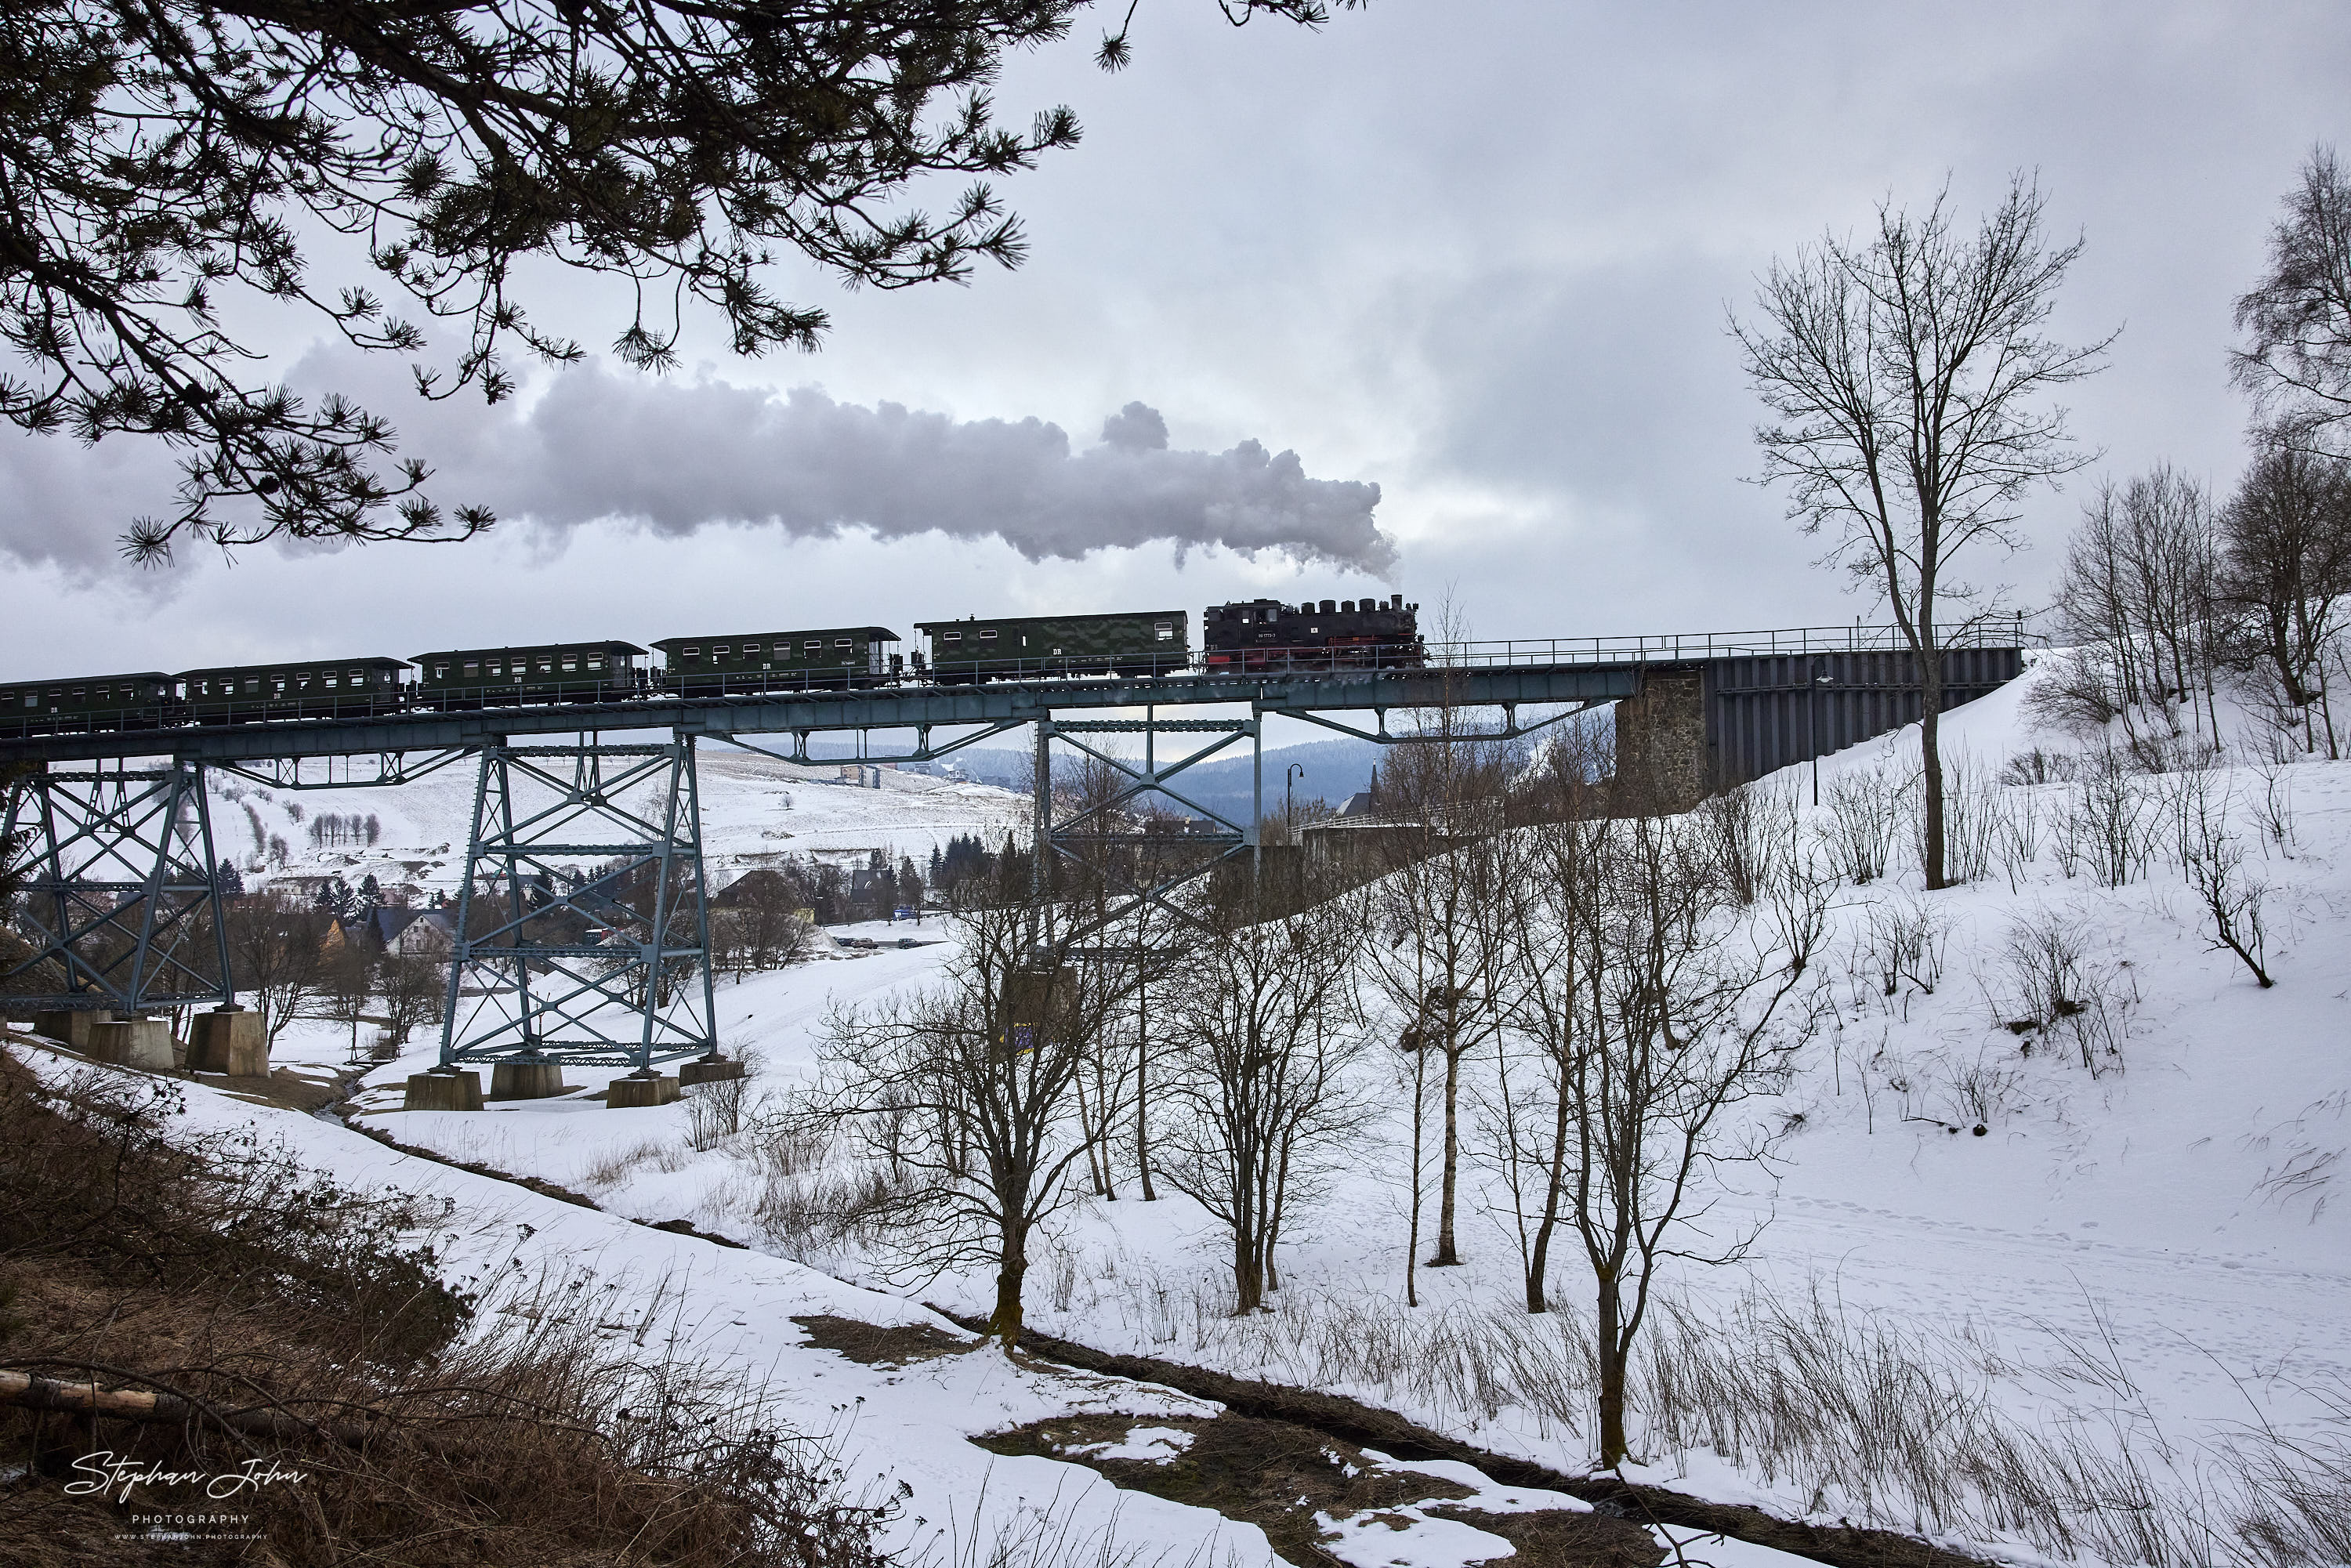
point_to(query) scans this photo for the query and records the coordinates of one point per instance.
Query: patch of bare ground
(1351, 1421)
(875, 1345)
(1280, 1475)
(1555, 1538)
(304, 1092)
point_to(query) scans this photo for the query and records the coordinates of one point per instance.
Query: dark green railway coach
(1001, 648)
(832, 658)
(87, 702)
(553, 672)
(232, 694)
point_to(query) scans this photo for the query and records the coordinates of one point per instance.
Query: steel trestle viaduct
(121, 900)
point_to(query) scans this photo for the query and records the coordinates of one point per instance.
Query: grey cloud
(65, 505)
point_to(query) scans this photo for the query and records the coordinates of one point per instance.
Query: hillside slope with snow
(2139, 1263)
(753, 808)
(2140, 1254)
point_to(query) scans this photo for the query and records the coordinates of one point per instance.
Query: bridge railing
(2013, 631)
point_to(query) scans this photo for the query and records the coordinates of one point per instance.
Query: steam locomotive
(1260, 637)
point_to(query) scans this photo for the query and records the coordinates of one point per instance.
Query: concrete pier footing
(632, 1094)
(444, 1091)
(229, 1039)
(710, 1070)
(70, 1028)
(525, 1080)
(143, 1043)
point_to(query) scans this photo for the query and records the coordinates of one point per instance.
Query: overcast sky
(1434, 298)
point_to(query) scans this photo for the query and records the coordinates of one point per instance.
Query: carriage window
(473, 667)
(691, 651)
(750, 650)
(32, 699)
(253, 683)
(82, 693)
(595, 661)
(331, 681)
(547, 664)
(816, 644)
(718, 649)
(843, 643)
(952, 637)
(570, 661)
(988, 635)
(1164, 632)
(440, 672)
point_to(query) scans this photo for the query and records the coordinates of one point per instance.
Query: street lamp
(1296, 772)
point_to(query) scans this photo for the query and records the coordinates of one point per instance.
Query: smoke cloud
(678, 457)
(675, 458)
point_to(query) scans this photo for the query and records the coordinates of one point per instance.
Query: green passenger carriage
(1045, 647)
(140, 701)
(549, 671)
(830, 657)
(326, 689)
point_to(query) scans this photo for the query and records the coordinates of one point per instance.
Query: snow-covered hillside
(2112, 1242)
(2139, 1258)
(753, 808)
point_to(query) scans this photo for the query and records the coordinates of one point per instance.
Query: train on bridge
(1252, 637)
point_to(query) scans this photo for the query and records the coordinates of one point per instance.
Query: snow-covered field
(754, 807)
(2144, 1261)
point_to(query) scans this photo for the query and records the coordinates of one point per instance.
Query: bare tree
(1262, 1019)
(1910, 375)
(2285, 576)
(773, 932)
(2139, 600)
(965, 1096)
(2296, 362)
(414, 984)
(275, 948)
(1553, 985)
(346, 981)
(1669, 1019)
(1441, 938)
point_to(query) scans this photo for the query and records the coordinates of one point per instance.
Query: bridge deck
(889, 707)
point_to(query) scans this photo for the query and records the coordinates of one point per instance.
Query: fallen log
(30, 1391)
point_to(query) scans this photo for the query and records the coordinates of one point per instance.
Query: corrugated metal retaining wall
(1766, 712)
